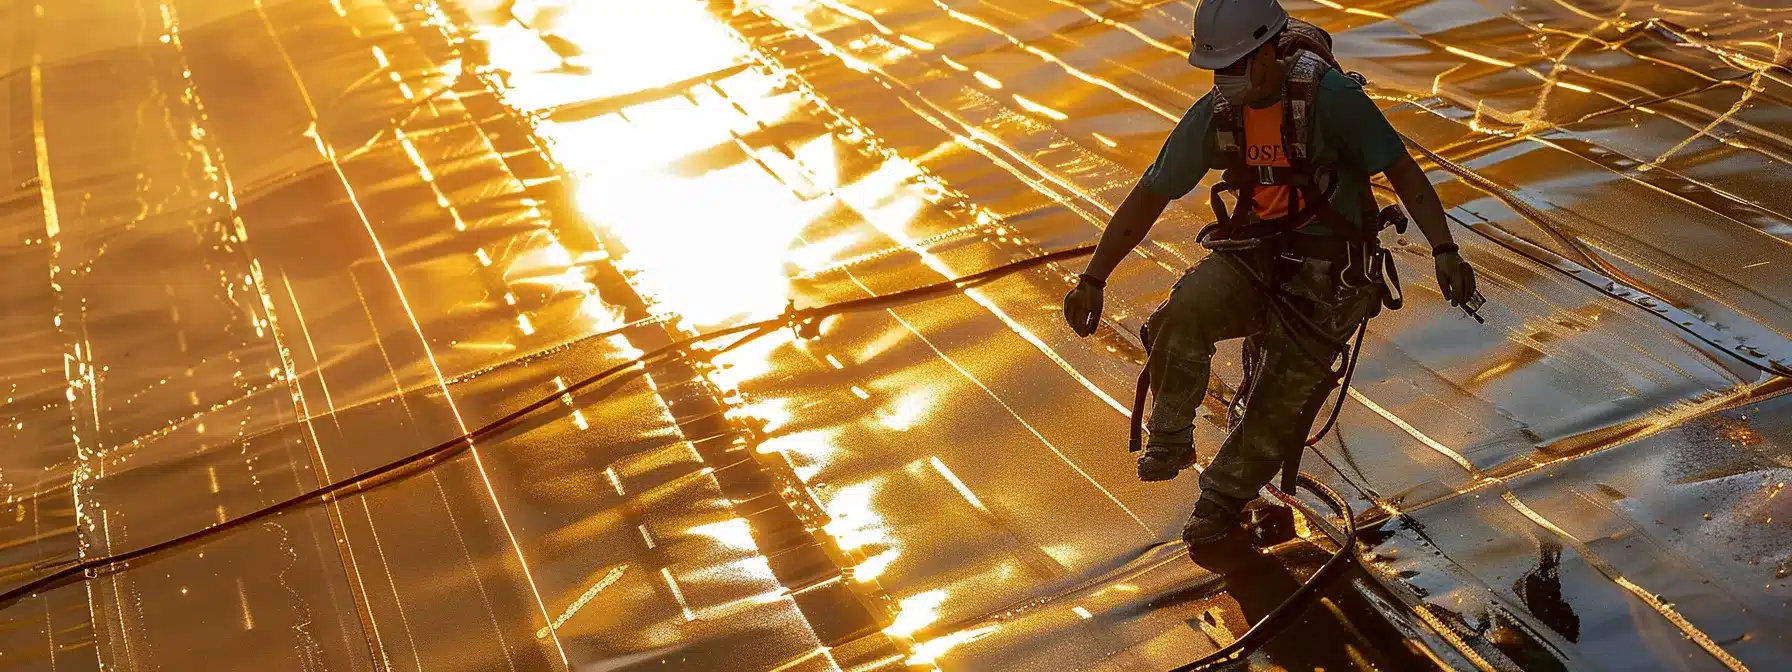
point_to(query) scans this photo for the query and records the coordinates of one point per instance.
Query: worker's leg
(1292, 386)
(1286, 397)
(1213, 302)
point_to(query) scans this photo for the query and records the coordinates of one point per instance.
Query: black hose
(428, 457)
(1356, 352)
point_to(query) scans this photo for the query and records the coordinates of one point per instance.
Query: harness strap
(1392, 295)
(1301, 88)
(1240, 225)
(1137, 441)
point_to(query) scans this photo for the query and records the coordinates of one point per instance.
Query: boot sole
(1155, 474)
(1160, 471)
(1208, 539)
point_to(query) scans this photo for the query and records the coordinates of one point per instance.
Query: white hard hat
(1228, 30)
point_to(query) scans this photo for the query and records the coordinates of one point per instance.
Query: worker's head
(1237, 40)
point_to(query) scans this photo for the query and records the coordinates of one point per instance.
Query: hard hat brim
(1214, 60)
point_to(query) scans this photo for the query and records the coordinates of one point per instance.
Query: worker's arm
(1420, 199)
(1131, 221)
(1180, 165)
(1454, 276)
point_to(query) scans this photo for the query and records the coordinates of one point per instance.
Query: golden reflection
(677, 594)
(605, 582)
(821, 253)
(770, 414)
(812, 446)
(1491, 372)
(733, 533)
(749, 361)
(907, 411)
(1037, 108)
(620, 31)
(706, 229)
(805, 658)
(735, 606)
(921, 45)
(875, 565)
(754, 567)
(963, 490)
(855, 522)
(743, 220)
(884, 341)
(1479, 57)
(926, 652)
(915, 612)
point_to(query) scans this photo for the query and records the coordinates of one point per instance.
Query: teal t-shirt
(1349, 133)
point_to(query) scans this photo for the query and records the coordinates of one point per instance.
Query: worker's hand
(1455, 277)
(1082, 306)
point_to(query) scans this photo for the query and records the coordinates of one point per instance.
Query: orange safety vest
(1263, 147)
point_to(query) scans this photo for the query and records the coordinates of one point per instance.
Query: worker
(1294, 265)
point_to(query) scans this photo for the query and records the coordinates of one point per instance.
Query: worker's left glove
(1454, 276)
(1082, 306)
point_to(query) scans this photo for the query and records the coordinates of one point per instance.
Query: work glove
(1082, 306)
(1454, 276)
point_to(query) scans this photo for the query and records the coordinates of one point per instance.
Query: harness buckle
(1266, 175)
(1226, 141)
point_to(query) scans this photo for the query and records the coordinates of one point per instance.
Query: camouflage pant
(1217, 301)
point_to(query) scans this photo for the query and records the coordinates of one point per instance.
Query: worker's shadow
(1260, 582)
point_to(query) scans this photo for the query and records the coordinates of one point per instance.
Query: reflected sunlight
(710, 248)
(769, 413)
(915, 612)
(812, 446)
(875, 565)
(707, 230)
(926, 652)
(855, 522)
(732, 533)
(908, 409)
(749, 361)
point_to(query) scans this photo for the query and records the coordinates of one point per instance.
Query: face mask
(1234, 88)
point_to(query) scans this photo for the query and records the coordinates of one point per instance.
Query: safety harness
(1310, 184)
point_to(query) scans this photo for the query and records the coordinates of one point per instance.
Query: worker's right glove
(1082, 306)
(1454, 276)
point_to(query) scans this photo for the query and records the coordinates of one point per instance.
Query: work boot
(1210, 522)
(1162, 463)
(1177, 393)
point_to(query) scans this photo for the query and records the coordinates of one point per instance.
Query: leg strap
(1136, 442)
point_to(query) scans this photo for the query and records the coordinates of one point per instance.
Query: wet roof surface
(258, 246)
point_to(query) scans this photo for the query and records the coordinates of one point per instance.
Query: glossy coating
(254, 246)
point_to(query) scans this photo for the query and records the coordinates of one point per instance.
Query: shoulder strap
(1228, 125)
(1302, 86)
